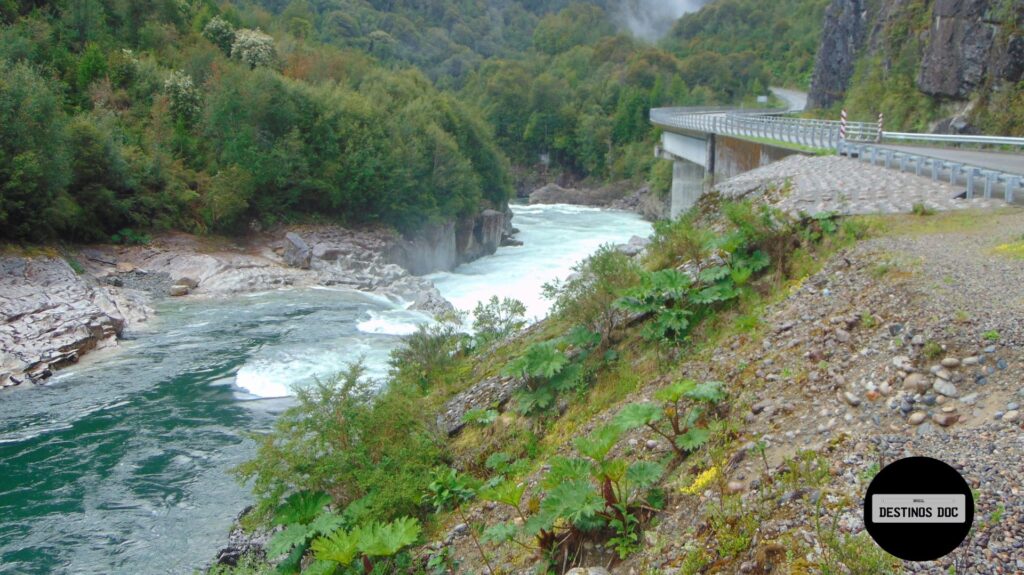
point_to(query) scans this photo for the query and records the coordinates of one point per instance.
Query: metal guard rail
(938, 168)
(954, 138)
(770, 124)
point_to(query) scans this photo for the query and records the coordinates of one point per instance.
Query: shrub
(344, 439)
(426, 356)
(586, 297)
(498, 319)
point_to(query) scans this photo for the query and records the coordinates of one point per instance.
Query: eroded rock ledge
(50, 315)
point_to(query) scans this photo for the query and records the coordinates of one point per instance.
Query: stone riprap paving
(814, 184)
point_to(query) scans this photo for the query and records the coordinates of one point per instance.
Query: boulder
(296, 251)
(178, 290)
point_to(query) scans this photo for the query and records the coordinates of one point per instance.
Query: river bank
(56, 307)
(122, 461)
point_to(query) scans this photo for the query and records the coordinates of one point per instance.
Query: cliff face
(963, 47)
(846, 24)
(967, 43)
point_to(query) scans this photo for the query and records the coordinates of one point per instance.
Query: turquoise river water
(121, 464)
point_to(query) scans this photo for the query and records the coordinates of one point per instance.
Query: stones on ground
(969, 361)
(945, 388)
(1001, 363)
(917, 418)
(969, 399)
(916, 383)
(587, 571)
(1012, 406)
(945, 419)
(1011, 416)
(903, 363)
(941, 373)
(178, 290)
(950, 362)
(842, 336)
(851, 398)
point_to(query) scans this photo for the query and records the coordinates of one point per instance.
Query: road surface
(795, 100)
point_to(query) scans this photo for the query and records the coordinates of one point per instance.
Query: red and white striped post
(842, 125)
(881, 126)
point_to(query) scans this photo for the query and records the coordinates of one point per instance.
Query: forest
(119, 118)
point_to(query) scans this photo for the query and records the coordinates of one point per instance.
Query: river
(121, 464)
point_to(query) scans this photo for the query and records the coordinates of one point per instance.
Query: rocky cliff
(442, 246)
(957, 50)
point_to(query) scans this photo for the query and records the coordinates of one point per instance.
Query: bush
(425, 357)
(498, 319)
(343, 440)
(586, 298)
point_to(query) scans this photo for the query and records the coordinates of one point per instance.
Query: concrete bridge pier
(687, 185)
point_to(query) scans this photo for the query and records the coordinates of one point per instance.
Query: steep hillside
(930, 64)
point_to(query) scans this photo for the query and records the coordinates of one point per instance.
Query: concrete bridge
(711, 145)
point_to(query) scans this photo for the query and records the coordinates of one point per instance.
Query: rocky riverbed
(57, 307)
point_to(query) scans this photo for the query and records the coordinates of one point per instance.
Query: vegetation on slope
(620, 322)
(167, 114)
(780, 37)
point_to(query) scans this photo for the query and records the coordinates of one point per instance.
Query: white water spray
(652, 19)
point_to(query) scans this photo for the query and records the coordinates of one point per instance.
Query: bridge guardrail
(770, 124)
(953, 139)
(955, 172)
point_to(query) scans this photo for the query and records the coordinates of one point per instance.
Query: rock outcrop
(51, 316)
(480, 236)
(846, 24)
(296, 252)
(969, 46)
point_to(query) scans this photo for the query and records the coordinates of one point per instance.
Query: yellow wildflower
(1014, 250)
(702, 481)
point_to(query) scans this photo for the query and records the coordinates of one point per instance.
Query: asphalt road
(1008, 162)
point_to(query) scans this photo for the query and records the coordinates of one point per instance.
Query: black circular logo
(918, 509)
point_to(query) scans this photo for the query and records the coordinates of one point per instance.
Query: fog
(652, 19)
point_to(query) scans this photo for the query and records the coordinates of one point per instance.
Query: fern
(340, 547)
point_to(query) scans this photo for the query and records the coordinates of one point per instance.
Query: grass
(1013, 250)
(943, 222)
(791, 146)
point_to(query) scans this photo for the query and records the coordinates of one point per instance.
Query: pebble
(990, 349)
(945, 419)
(1013, 406)
(969, 399)
(942, 373)
(1011, 416)
(1001, 363)
(903, 363)
(981, 380)
(851, 398)
(945, 388)
(917, 418)
(950, 362)
(968, 361)
(916, 382)
(651, 444)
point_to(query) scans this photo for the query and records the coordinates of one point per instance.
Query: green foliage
(547, 371)
(781, 38)
(377, 544)
(587, 297)
(498, 319)
(344, 439)
(427, 355)
(683, 416)
(449, 489)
